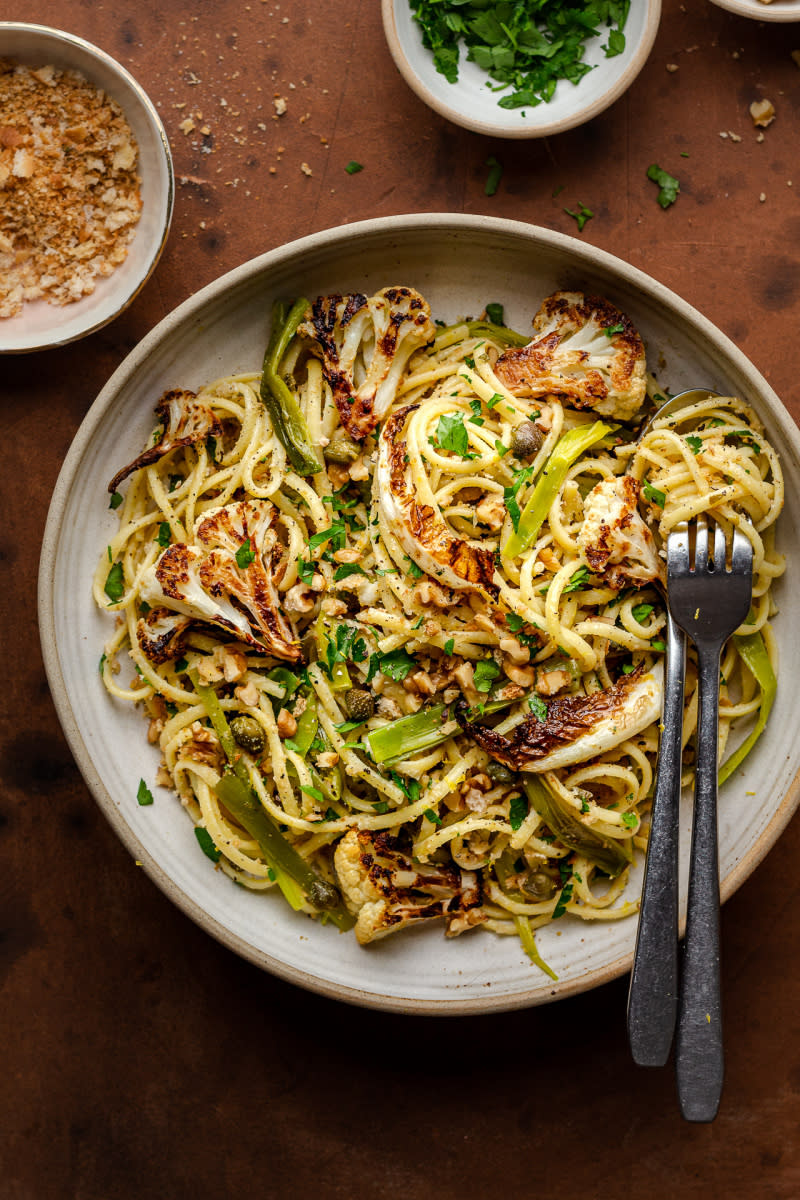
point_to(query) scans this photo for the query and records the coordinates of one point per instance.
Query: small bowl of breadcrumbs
(86, 188)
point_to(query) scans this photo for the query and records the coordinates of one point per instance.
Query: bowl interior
(459, 264)
(470, 102)
(41, 324)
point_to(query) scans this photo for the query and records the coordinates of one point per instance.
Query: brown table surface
(141, 1058)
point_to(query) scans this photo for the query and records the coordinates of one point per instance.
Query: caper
(323, 895)
(500, 773)
(248, 734)
(342, 448)
(359, 704)
(527, 440)
(539, 885)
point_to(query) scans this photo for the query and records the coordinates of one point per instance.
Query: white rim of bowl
(109, 61)
(759, 12)
(620, 86)
(392, 227)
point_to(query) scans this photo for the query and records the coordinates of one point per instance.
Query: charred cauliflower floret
(419, 526)
(388, 891)
(614, 540)
(161, 634)
(584, 349)
(364, 344)
(576, 728)
(229, 577)
(185, 423)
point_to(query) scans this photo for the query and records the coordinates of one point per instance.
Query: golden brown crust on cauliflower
(388, 890)
(586, 350)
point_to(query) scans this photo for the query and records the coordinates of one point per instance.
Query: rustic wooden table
(141, 1058)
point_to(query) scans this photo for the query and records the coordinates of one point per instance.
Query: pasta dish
(395, 608)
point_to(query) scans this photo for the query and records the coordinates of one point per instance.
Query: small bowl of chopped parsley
(515, 69)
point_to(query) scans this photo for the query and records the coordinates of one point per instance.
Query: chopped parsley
(494, 176)
(451, 434)
(336, 535)
(305, 570)
(640, 612)
(518, 480)
(630, 820)
(610, 330)
(514, 622)
(578, 582)
(116, 500)
(668, 185)
(164, 535)
(346, 570)
(694, 443)
(432, 816)
(353, 167)
(245, 555)
(114, 586)
(486, 671)
(654, 494)
(396, 664)
(143, 795)
(206, 843)
(524, 52)
(581, 214)
(563, 900)
(494, 314)
(313, 792)
(448, 646)
(517, 811)
(538, 707)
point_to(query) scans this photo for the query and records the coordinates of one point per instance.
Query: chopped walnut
(550, 683)
(427, 591)
(287, 726)
(299, 599)
(518, 653)
(248, 694)
(524, 676)
(421, 683)
(491, 511)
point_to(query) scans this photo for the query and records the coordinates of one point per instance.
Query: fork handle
(699, 1058)
(653, 995)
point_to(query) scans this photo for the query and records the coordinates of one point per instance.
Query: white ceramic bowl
(780, 10)
(459, 263)
(470, 103)
(41, 325)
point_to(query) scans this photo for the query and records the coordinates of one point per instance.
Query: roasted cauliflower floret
(185, 423)
(364, 344)
(229, 577)
(418, 525)
(584, 349)
(161, 634)
(614, 539)
(576, 728)
(388, 891)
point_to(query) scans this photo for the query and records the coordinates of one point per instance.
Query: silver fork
(709, 598)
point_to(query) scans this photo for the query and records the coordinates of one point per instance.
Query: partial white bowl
(41, 325)
(459, 263)
(780, 10)
(470, 103)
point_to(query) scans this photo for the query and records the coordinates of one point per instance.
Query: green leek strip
(608, 854)
(568, 450)
(753, 653)
(284, 411)
(237, 795)
(497, 333)
(529, 945)
(420, 731)
(408, 735)
(307, 725)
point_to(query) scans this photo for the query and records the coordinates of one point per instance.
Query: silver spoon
(653, 994)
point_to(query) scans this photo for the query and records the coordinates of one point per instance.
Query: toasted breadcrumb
(69, 192)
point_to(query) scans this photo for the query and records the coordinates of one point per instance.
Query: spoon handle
(653, 995)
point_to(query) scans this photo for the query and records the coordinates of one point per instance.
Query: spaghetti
(422, 679)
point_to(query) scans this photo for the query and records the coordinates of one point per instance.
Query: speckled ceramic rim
(578, 117)
(394, 228)
(125, 78)
(762, 12)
